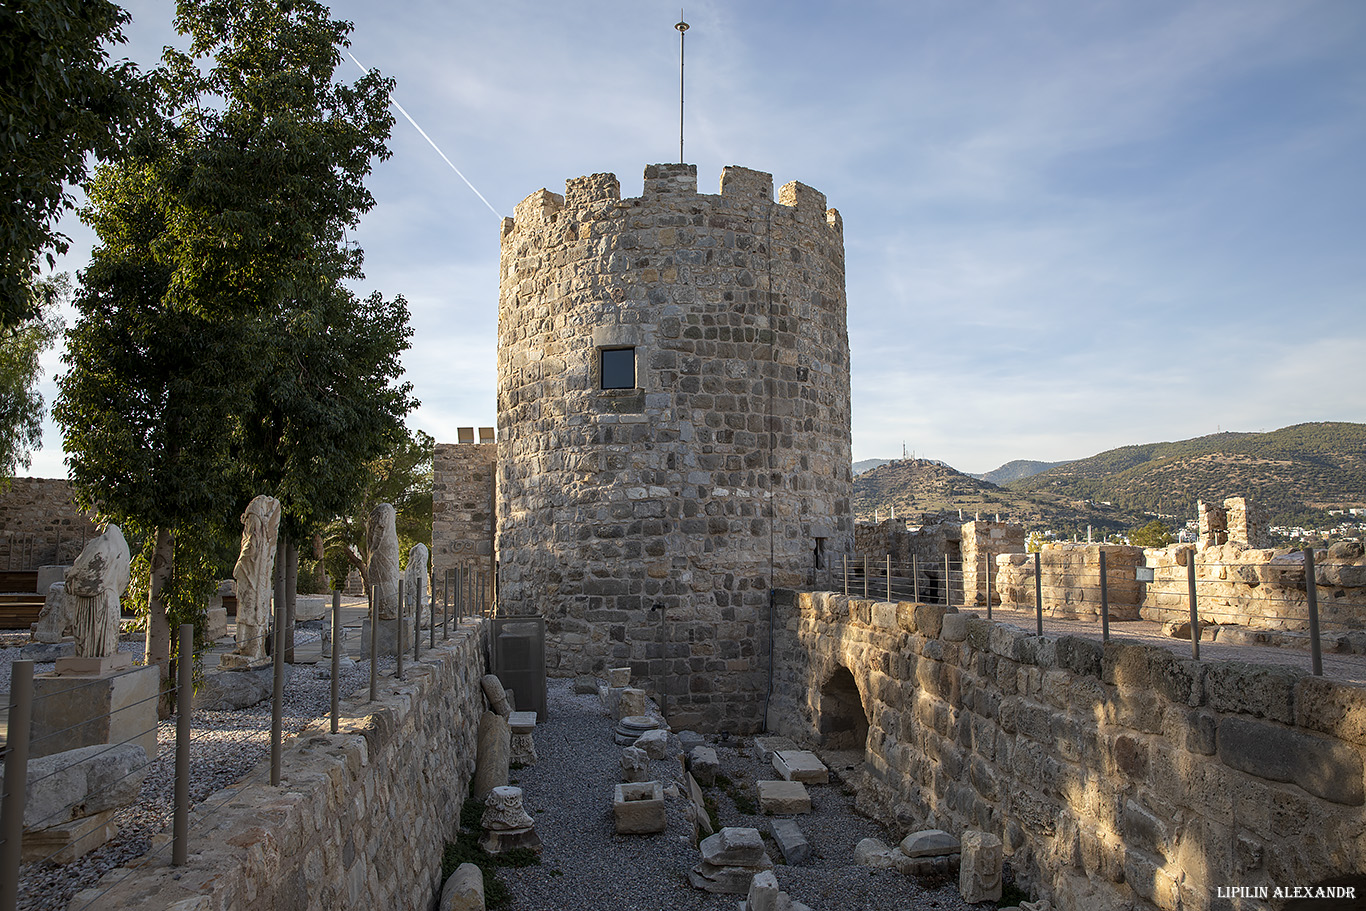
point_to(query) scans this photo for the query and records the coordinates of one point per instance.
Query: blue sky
(1069, 226)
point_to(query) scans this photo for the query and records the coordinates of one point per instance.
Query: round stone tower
(673, 427)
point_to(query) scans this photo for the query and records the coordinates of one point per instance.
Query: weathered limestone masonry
(646, 507)
(924, 546)
(361, 817)
(1071, 580)
(1118, 778)
(1259, 588)
(1263, 589)
(463, 507)
(984, 540)
(40, 524)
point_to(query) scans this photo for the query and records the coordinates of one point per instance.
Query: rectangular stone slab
(784, 798)
(791, 841)
(765, 747)
(522, 722)
(800, 765)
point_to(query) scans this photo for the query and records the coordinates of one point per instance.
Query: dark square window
(618, 368)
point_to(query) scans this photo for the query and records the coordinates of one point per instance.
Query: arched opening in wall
(843, 724)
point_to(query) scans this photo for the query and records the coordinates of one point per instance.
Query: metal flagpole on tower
(682, 27)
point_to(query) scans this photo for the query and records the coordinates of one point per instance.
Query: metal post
(915, 577)
(865, 577)
(417, 626)
(1104, 601)
(431, 615)
(1311, 591)
(398, 633)
(1195, 619)
(180, 828)
(336, 660)
(889, 577)
(1038, 594)
(846, 575)
(16, 779)
(277, 707)
(374, 644)
(948, 584)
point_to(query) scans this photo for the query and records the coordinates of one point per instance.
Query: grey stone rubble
(584, 864)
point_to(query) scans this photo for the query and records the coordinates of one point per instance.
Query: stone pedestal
(387, 630)
(522, 724)
(216, 623)
(638, 808)
(73, 710)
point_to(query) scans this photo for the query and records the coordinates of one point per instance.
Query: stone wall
(361, 817)
(982, 541)
(923, 547)
(1071, 580)
(463, 509)
(40, 524)
(647, 523)
(1118, 777)
(1262, 589)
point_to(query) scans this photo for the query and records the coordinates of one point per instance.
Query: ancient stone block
(638, 808)
(929, 843)
(1323, 767)
(979, 874)
(71, 711)
(704, 765)
(1260, 690)
(800, 765)
(954, 627)
(791, 841)
(873, 853)
(783, 798)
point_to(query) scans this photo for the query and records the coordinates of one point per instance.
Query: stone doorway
(843, 723)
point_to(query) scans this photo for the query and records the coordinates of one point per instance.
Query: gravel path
(586, 865)
(225, 746)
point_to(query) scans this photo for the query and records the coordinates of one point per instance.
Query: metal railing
(445, 606)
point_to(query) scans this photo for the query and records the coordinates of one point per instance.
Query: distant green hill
(1015, 471)
(919, 488)
(1296, 472)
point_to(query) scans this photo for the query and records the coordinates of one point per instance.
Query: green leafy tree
(403, 478)
(151, 395)
(207, 360)
(1154, 534)
(21, 405)
(60, 97)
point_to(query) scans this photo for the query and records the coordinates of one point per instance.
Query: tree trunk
(158, 643)
(319, 570)
(291, 595)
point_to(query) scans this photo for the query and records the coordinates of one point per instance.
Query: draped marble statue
(94, 586)
(254, 574)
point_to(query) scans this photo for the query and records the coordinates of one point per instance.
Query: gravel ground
(225, 746)
(586, 865)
